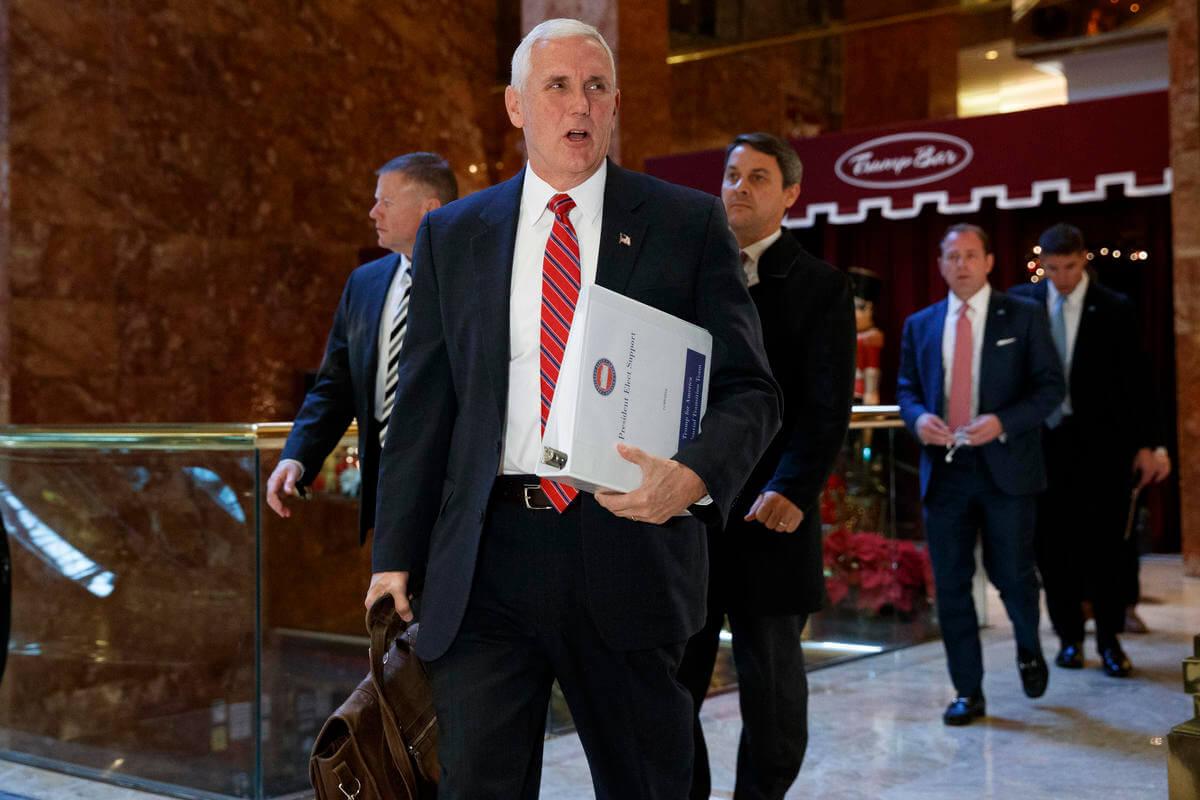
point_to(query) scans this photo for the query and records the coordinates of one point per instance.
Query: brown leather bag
(381, 744)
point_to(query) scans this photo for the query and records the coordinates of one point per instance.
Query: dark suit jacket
(1112, 397)
(1020, 381)
(345, 387)
(807, 312)
(646, 583)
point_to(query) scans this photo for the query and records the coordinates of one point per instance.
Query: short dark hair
(966, 227)
(429, 170)
(1061, 240)
(784, 154)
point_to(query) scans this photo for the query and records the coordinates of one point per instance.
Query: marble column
(638, 35)
(5, 361)
(1185, 211)
(902, 72)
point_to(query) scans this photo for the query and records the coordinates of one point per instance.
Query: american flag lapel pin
(623, 238)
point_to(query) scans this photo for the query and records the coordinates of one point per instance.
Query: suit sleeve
(1045, 384)
(328, 407)
(412, 466)
(910, 394)
(823, 413)
(743, 399)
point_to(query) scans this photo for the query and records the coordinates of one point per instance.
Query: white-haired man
(522, 581)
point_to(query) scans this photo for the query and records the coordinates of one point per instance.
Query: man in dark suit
(354, 381)
(978, 376)
(765, 567)
(522, 581)
(1101, 443)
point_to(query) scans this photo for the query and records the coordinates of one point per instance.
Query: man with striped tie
(359, 372)
(522, 581)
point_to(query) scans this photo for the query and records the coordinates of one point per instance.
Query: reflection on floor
(876, 727)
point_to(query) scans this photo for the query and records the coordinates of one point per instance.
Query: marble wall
(190, 184)
(1185, 211)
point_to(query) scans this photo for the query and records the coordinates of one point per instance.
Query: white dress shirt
(978, 317)
(1072, 314)
(753, 253)
(522, 428)
(400, 282)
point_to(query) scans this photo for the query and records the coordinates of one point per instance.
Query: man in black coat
(1100, 444)
(354, 382)
(766, 568)
(522, 580)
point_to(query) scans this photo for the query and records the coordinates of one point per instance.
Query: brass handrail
(243, 436)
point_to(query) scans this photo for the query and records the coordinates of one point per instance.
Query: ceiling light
(992, 55)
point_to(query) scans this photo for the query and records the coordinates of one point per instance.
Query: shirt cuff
(283, 461)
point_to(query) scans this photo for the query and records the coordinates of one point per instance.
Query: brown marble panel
(203, 171)
(1184, 43)
(901, 72)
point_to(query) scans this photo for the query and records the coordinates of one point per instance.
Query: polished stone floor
(876, 729)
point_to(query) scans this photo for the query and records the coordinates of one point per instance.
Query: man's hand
(282, 482)
(1151, 466)
(776, 512)
(932, 430)
(395, 584)
(983, 429)
(667, 489)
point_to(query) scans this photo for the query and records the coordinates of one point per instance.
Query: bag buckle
(528, 491)
(351, 795)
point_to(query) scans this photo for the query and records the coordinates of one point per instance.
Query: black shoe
(1034, 674)
(1115, 663)
(1070, 656)
(964, 710)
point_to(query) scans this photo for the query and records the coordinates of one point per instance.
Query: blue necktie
(1058, 331)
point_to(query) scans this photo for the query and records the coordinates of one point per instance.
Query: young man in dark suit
(524, 580)
(978, 376)
(765, 566)
(1101, 443)
(359, 372)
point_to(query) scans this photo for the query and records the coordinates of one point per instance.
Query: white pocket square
(1003, 342)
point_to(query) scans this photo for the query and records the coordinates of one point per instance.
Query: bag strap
(384, 625)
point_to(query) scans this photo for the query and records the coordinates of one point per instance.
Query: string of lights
(1033, 263)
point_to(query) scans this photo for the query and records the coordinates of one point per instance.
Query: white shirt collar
(1073, 298)
(755, 251)
(978, 303)
(588, 196)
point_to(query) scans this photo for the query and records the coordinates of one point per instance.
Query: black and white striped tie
(395, 340)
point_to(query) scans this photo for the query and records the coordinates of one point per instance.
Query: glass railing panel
(314, 647)
(131, 654)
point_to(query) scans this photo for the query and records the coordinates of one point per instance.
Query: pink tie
(960, 372)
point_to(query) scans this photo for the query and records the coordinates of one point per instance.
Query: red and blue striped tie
(561, 280)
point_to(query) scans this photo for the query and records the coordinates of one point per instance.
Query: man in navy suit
(1100, 443)
(978, 376)
(354, 381)
(521, 581)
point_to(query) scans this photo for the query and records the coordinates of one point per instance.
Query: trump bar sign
(1077, 152)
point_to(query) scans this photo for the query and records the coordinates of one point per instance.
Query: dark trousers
(772, 695)
(961, 503)
(527, 624)
(1081, 550)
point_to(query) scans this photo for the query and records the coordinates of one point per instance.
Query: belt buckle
(526, 492)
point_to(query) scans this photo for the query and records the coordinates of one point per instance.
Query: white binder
(632, 374)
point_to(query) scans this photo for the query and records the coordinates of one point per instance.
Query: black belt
(525, 490)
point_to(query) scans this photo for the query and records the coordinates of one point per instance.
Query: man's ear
(790, 195)
(429, 205)
(512, 104)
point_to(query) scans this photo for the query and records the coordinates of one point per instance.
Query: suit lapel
(994, 330)
(376, 299)
(1088, 317)
(622, 231)
(492, 254)
(932, 358)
